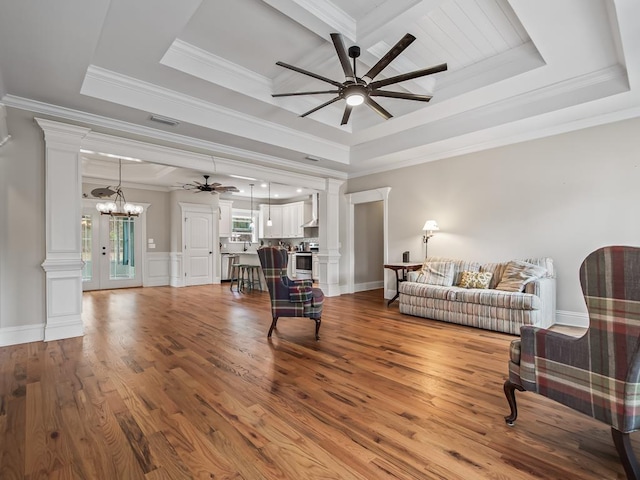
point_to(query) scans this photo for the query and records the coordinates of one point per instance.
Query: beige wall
(368, 243)
(561, 196)
(158, 213)
(22, 223)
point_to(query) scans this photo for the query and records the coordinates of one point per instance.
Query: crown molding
(200, 63)
(322, 18)
(151, 133)
(124, 90)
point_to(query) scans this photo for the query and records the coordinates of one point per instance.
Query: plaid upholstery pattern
(599, 373)
(284, 292)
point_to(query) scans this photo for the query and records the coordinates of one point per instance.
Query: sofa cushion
(437, 273)
(459, 266)
(518, 274)
(496, 298)
(496, 270)
(475, 279)
(428, 291)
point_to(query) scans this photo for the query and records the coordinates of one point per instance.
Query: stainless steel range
(304, 260)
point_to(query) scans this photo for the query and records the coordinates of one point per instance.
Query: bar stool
(235, 276)
(247, 277)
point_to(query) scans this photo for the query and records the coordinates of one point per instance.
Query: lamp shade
(430, 226)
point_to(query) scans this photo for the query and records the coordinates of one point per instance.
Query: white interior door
(198, 248)
(111, 250)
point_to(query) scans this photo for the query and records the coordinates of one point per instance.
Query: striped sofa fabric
(490, 309)
(597, 374)
(289, 298)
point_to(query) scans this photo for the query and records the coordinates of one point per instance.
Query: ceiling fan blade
(346, 115)
(376, 107)
(341, 50)
(304, 93)
(402, 95)
(222, 189)
(102, 192)
(396, 50)
(320, 106)
(408, 76)
(310, 74)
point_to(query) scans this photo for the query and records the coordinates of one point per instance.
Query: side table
(401, 270)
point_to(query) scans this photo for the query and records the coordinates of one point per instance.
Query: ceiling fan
(209, 187)
(357, 90)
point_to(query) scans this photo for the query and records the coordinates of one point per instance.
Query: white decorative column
(329, 231)
(63, 211)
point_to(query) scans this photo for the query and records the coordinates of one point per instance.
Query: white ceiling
(517, 70)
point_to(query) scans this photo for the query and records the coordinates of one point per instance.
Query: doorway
(111, 251)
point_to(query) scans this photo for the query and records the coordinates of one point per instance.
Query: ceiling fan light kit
(360, 90)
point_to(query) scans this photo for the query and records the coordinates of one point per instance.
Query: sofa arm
(545, 289)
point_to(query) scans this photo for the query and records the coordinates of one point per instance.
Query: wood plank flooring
(172, 383)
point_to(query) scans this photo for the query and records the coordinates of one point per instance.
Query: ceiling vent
(164, 120)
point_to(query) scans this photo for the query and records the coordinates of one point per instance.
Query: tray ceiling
(517, 70)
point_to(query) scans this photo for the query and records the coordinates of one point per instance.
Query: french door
(111, 250)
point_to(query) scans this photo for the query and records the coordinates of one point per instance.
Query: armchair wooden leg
(509, 392)
(622, 441)
(318, 321)
(273, 325)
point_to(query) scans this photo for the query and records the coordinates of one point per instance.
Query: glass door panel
(110, 251)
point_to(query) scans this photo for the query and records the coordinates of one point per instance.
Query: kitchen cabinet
(224, 225)
(315, 267)
(292, 220)
(275, 230)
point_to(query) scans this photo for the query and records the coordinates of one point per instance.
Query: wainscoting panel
(176, 270)
(157, 271)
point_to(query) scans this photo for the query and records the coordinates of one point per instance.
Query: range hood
(314, 212)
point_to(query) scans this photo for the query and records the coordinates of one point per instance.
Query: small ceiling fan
(209, 187)
(357, 90)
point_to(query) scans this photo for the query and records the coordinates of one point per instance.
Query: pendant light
(269, 222)
(119, 207)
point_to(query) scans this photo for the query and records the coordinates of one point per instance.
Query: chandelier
(119, 207)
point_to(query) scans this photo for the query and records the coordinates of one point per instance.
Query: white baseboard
(361, 287)
(572, 319)
(21, 334)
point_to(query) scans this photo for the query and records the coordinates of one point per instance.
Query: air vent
(312, 158)
(164, 120)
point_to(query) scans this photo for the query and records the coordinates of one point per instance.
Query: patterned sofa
(532, 301)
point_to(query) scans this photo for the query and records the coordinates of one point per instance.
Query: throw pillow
(518, 274)
(437, 273)
(475, 279)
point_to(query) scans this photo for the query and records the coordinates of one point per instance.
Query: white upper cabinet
(275, 230)
(226, 212)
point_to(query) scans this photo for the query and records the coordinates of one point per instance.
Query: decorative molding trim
(200, 63)
(330, 14)
(366, 196)
(21, 334)
(158, 270)
(62, 330)
(4, 129)
(176, 271)
(361, 287)
(131, 128)
(572, 319)
(62, 265)
(117, 88)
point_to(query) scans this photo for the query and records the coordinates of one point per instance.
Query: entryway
(111, 251)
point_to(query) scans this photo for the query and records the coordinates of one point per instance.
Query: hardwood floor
(183, 383)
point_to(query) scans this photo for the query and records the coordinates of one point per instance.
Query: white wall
(561, 196)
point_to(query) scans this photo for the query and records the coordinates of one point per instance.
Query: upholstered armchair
(289, 298)
(599, 373)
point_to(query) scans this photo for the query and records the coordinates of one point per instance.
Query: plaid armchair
(289, 298)
(599, 373)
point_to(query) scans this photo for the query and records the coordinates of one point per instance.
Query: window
(242, 227)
